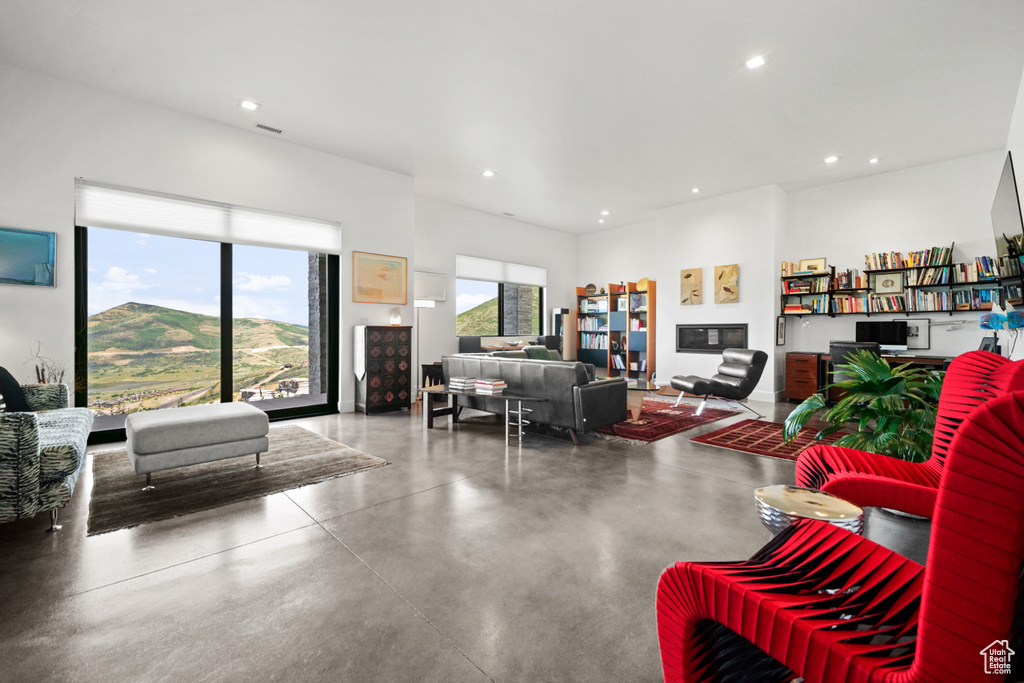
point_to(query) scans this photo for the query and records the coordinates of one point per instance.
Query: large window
(165, 320)
(498, 298)
(497, 309)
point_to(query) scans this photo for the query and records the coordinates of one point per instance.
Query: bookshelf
(617, 330)
(926, 281)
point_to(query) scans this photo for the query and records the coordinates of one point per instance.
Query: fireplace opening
(710, 338)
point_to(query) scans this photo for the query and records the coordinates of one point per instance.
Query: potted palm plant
(891, 408)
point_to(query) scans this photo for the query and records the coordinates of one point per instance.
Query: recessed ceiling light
(604, 213)
(488, 173)
(249, 105)
(873, 160)
(695, 190)
(831, 160)
(755, 62)
(600, 220)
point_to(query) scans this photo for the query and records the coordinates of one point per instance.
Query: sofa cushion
(11, 394)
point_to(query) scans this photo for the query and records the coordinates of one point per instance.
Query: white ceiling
(579, 105)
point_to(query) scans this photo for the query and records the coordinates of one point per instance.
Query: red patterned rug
(660, 419)
(763, 438)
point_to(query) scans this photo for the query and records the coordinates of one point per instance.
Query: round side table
(781, 505)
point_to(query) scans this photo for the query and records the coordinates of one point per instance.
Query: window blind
(473, 268)
(99, 205)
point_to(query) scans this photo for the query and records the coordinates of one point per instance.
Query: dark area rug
(297, 457)
(763, 438)
(659, 419)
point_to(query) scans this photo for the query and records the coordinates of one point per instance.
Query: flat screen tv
(891, 335)
(1007, 225)
(27, 257)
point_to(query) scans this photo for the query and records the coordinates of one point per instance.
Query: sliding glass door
(153, 328)
(151, 335)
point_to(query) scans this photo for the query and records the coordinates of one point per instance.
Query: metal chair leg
(258, 465)
(746, 407)
(700, 408)
(678, 400)
(54, 527)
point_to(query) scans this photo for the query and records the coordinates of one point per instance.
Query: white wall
(908, 210)
(738, 228)
(54, 130)
(444, 230)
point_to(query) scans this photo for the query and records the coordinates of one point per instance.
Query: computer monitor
(891, 335)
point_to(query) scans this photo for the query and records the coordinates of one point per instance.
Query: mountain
(143, 327)
(483, 319)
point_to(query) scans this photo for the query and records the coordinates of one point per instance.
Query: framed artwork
(27, 257)
(889, 283)
(727, 289)
(691, 286)
(379, 279)
(919, 333)
(815, 264)
(780, 330)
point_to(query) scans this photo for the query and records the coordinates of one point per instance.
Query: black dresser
(383, 367)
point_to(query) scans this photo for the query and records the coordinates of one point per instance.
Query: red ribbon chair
(828, 605)
(870, 479)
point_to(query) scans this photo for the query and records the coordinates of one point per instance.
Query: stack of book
(490, 386)
(461, 383)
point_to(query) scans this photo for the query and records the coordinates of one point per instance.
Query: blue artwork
(27, 257)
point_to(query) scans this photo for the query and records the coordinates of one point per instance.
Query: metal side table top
(781, 505)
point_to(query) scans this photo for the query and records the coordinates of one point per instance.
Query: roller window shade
(99, 205)
(472, 268)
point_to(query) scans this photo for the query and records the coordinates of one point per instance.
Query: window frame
(331, 406)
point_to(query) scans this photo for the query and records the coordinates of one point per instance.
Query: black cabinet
(383, 366)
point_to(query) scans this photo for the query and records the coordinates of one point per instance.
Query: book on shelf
(936, 256)
(888, 303)
(618, 362)
(848, 279)
(788, 268)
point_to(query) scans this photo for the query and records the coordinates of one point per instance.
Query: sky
(184, 274)
(471, 293)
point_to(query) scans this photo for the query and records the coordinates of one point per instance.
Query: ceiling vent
(269, 129)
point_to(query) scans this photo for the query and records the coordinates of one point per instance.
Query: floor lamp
(418, 304)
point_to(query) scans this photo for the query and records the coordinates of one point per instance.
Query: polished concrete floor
(463, 560)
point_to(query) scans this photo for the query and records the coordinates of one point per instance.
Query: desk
(806, 373)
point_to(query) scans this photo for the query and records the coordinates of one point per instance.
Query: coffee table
(781, 505)
(514, 414)
(636, 390)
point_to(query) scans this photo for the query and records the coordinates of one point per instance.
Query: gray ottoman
(162, 439)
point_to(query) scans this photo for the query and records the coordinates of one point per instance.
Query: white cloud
(142, 242)
(249, 282)
(150, 271)
(464, 302)
(118, 279)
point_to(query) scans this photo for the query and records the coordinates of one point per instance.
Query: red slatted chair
(870, 479)
(832, 606)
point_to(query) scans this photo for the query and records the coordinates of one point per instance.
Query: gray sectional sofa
(575, 401)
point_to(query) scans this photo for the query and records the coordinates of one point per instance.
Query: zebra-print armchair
(41, 453)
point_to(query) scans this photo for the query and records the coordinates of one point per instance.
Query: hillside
(143, 327)
(483, 319)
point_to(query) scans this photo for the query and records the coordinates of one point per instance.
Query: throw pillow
(537, 352)
(12, 394)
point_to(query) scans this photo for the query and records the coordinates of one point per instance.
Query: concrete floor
(463, 560)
